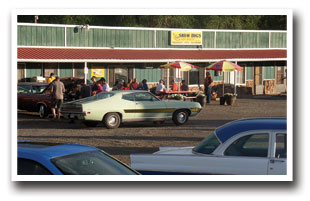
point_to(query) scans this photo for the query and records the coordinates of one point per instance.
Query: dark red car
(35, 97)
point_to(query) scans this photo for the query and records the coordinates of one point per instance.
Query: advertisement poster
(186, 38)
(97, 71)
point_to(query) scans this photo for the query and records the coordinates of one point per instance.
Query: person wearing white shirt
(160, 87)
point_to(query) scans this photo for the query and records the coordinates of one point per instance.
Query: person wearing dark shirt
(207, 84)
(184, 87)
(85, 91)
(94, 87)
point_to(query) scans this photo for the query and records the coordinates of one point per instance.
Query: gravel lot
(147, 137)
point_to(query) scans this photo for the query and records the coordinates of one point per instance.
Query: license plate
(71, 116)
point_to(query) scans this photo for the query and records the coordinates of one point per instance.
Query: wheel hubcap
(112, 120)
(41, 111)
(181, 117)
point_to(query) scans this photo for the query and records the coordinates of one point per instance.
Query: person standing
(207, 84)
(94, 87)
(51, 78)
(85, 91)
(105, 85)
(57, 91)
(134, 85)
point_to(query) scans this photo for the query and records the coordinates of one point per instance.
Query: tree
(250, 22)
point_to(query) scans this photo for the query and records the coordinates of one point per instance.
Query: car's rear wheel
(42, 111)
(112, 120)
(90, 123)
(180, 117)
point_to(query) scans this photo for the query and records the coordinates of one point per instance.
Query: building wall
(74, 36)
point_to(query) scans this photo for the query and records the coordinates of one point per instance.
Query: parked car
(255, 146)
(35, 96)
(113, 108)
(36, 158)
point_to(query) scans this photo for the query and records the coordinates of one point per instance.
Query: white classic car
(244, 147)
(113, 108)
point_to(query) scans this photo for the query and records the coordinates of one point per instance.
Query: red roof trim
(25, 53)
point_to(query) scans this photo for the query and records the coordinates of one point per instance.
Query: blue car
(36, 158)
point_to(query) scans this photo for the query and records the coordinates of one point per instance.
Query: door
(277, 163)
(258, 80)
(24, 97)
(129, 106)
(149, 107)
(247, 155)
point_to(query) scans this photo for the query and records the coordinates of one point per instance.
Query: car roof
(52, 150)
(233, 128)
(33, 83)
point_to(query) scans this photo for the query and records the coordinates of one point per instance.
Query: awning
(41, 54)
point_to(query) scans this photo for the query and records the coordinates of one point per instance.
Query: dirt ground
(147, 137)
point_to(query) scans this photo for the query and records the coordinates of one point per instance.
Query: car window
(208, 145)
(38, 89)
(142, 96)
(129, 97)
(281, 145)
(104, 95)
(30, 167)
(255, 145)
(91, 163)
(24, 89)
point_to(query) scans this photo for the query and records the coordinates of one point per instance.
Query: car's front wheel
(42, 111)
(112, 120)
(180, 117)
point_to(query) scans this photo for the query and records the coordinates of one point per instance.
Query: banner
(186, 38)
(97, 71)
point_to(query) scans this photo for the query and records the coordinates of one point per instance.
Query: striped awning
(41, 54)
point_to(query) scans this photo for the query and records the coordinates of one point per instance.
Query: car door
(277, 162)
(24, 94)
(149, 107)
(129, 106)
(246, 155)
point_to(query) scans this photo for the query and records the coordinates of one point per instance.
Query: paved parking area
(147, 137)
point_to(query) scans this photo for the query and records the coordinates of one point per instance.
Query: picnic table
(189, 95)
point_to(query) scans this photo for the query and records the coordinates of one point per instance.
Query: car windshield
(91, 163)
(208, 145)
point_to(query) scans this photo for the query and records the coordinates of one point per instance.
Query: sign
(97, 71)
(186, 38)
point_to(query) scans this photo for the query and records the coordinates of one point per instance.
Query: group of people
(160, 88)
(131, 85)
(98, 86)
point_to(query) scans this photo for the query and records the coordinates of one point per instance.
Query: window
(24, 89)
(30, 167)
(78, 70)
(193, 77)
(50, 68)
(129, 97)
(269, 73)
(280, 75)
(250, 145)
(38, 89)
(145, 97)
(91, 163)
(281, 146)
(241, 76)
(208, 145)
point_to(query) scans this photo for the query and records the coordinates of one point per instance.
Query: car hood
(175, 150)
